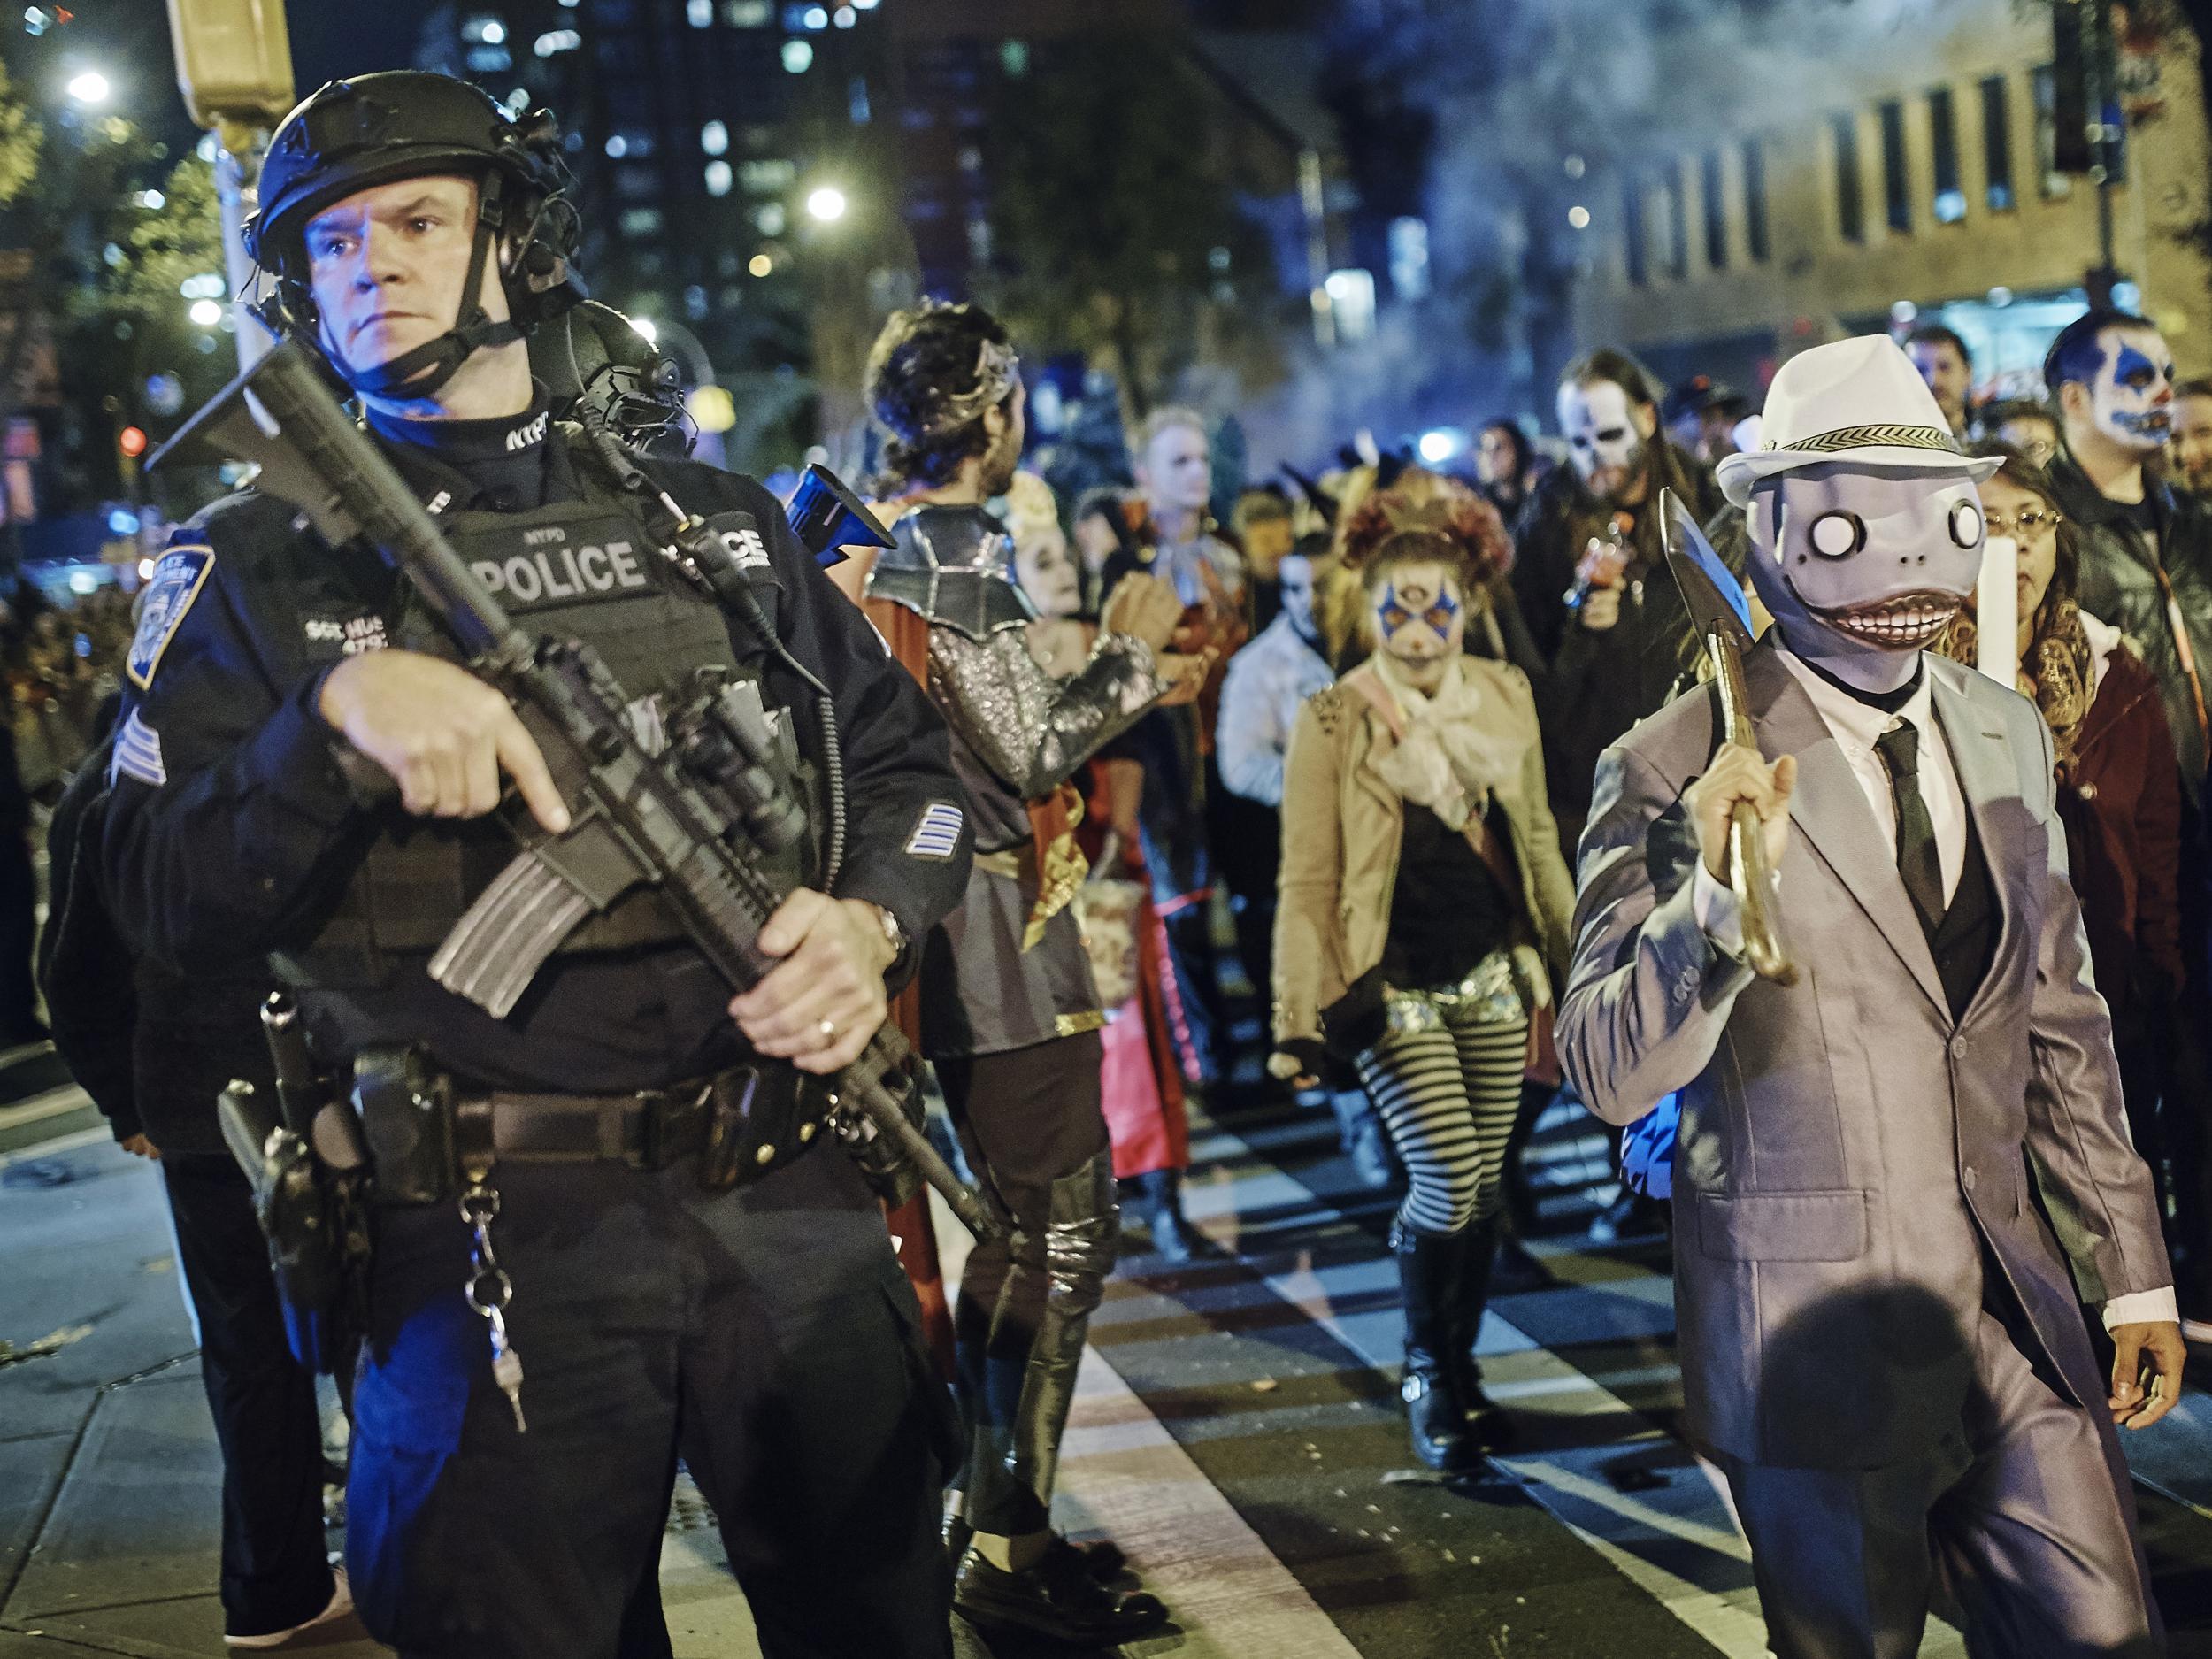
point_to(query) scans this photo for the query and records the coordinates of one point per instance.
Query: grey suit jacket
(1847, 1148)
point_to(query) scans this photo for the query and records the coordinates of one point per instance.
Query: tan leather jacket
(1342, 827)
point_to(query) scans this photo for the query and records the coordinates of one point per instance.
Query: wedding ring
(829, 1030)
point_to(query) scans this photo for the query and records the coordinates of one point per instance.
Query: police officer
(303, 770)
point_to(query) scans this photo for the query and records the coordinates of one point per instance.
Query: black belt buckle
(657, 1112)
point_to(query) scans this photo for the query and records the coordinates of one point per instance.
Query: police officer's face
(387, 266)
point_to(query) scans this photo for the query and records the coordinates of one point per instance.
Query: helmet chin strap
(424, 371)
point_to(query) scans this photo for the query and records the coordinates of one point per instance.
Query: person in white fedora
(1897, 1179)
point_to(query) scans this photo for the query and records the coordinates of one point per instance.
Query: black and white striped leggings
(1447, 1086)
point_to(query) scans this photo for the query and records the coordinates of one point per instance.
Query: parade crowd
(1098, 768)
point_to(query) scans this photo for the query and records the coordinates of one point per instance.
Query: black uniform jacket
(232, 830)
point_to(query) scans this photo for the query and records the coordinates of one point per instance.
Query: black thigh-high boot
(1428, 1274)
(1487, 1425)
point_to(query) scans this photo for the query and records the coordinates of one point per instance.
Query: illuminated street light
(1438, 445)
(826, 204)
(206, 313)
(760, 265)
(1578, 217)
(91, 87)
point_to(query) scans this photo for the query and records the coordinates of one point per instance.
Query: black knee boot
(1428, 1274)
(1487, 1425)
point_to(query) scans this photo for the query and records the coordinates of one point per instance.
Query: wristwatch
(894, 934)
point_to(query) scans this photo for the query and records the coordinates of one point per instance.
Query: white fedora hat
(1857, 401)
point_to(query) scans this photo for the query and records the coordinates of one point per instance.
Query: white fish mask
(1858, 565)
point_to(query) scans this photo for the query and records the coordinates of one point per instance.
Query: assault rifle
(685, 821)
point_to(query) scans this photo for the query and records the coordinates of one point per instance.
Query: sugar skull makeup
(1603, 436)
(2132, 399)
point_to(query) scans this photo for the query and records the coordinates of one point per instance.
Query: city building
(762, 180)
(1886, 163)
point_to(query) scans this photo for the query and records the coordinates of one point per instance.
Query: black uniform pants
(276, 1572)
(766, 1334)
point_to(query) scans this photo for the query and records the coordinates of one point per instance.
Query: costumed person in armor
(1423, 912)
(1899, 1176)
(1010, 1014)
(305, 771)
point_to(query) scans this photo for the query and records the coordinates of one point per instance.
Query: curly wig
(1428, 501)
(932, 374)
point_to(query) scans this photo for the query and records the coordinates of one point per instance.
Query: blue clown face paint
(2132, 399)
(1420, 619)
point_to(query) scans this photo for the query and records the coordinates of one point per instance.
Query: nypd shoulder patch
(936, 832)
(179, 575)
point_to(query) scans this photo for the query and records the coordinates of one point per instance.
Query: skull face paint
(1605, 435)
(2132, 399)
(1862, 568)
(1420, 620)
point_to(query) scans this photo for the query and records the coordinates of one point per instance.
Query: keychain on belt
(489, 1290)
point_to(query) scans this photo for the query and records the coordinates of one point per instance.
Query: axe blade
(1711, 589)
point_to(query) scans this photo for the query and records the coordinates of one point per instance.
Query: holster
(313, 1218)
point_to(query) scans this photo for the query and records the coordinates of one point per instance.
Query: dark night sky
(130, 40)
(330, 38)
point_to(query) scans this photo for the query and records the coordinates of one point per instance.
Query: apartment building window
(1896, 187)
(1716, 206)
(1850, 202)
(1633, 245)
(1943, 128)
(1997, 144)
(1755, 200)
(2044, 81)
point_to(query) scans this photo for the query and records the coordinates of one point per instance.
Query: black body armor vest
(587, 570)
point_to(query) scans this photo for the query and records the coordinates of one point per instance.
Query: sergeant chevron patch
(177, 577)
(138, 753)
(937, 833)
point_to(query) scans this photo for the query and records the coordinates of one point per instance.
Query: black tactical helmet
(350, 135)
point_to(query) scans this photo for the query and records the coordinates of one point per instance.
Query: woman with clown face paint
(1424, 908)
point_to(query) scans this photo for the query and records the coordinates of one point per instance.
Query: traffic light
(132, 441)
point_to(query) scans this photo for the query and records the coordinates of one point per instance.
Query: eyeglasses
(2030, 521)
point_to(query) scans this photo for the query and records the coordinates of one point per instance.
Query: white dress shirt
(1856, 725)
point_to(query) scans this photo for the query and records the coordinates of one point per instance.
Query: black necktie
(1916, 858)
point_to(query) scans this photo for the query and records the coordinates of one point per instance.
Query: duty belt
(429, 1133)
(647, 1130)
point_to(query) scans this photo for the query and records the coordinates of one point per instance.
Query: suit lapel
(1832, 810)
(1988, 778)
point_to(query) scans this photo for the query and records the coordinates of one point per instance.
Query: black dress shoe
(1057, 1598)
(1100, 1557)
